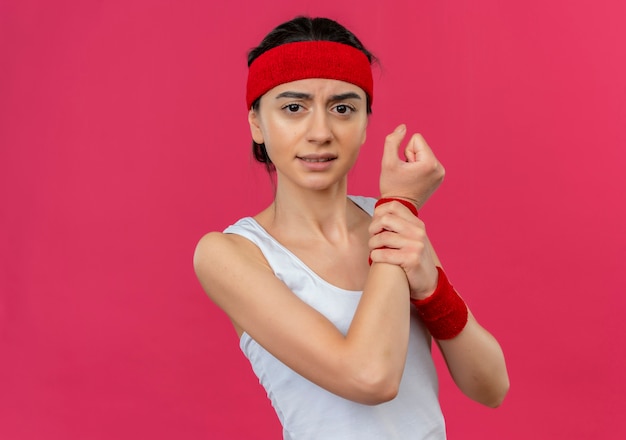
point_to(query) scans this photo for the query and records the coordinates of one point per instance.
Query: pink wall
(123, 139)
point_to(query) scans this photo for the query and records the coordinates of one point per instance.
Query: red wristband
(444, 312)
(406, 203)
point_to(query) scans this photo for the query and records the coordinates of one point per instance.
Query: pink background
(123, 138)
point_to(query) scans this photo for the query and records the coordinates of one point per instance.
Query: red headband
(308, 59)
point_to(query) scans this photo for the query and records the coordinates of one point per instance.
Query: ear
(255, 127)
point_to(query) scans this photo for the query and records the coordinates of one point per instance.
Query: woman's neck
(311, 213)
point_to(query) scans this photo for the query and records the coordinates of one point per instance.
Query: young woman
(336, 298)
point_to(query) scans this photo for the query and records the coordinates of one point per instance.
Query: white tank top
(307, 411)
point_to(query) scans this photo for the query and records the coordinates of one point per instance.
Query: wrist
(424, 294)
(443, 312)
(414, 202)
(408, 203)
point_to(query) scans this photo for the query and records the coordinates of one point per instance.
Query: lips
(317, 158)
(306, 159)
(317, 162)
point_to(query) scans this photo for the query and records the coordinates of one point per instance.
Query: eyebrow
(308, 97)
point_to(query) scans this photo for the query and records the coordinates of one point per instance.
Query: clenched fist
(415, 179)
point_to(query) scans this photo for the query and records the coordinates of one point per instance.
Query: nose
(319, 129)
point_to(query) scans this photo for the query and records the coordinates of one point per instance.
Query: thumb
(392, 145)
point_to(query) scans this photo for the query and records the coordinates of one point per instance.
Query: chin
(322, 183)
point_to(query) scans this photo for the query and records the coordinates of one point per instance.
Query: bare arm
(474, 357)
(476, 363)
(365, 366)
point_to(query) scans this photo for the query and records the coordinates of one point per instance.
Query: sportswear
(309, 412)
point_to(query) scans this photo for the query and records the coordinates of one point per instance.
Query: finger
(412, 256)
(410, 152)
(410, 155)
(389, 256)
(395, 208)
(392, 145)
(398, 231)
(412, 241)
(388, 239)
(418, 150)
(383, 222)
(381, 255)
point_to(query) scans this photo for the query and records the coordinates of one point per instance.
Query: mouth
(316, 160)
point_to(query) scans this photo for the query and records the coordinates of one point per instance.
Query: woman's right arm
(365, 365)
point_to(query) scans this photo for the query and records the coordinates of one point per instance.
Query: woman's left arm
(474, 357)
(475, 360)
(476, 363)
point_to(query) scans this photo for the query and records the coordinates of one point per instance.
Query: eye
(344, 109)
(292, 108)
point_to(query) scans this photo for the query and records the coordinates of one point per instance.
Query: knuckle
(419, 235)
(371, 243)
(442, 169)
(433, 165)
(417, 248)
(411, 257)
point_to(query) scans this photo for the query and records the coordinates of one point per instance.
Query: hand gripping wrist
(406, 203)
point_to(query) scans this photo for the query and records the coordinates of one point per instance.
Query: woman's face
(312, 129)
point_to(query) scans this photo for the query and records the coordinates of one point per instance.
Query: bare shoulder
(236, 276)
(215, 242)
(230, 268)
(216, 251)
